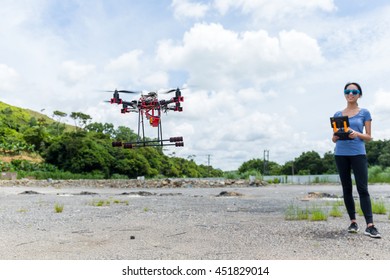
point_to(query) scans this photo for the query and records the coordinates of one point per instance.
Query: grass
(378, 174)
(335, 211)
(339, 202)
(108, 202)
(100, 203)
(294, 213)
(318, 214)
(58, 208)
(378, 207)
(117, 201)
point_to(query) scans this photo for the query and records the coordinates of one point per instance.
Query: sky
(258, 76)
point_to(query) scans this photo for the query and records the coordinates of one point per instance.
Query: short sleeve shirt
(355, 146)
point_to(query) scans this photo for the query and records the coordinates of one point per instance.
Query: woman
(350, 155)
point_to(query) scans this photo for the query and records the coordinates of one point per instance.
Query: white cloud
(72, 72)
(275, 9)
(8, 78)
(381, 104)
(189, 9)
(156, 80)
(380, 111)
(127, 62)
(22, 13)
(232, 59)
(299, 48)
(133, 69)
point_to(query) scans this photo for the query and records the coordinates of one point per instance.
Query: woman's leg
(360, 171)
(344, 168)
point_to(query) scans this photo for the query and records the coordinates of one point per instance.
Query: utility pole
(292, 172)
(265, 161)
(208, 164)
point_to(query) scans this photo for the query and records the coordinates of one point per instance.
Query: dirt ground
(231, 223)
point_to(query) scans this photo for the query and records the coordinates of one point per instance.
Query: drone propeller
(173, 90)
(169, 91)
(122, 91)
(129, 91)
(177, 91)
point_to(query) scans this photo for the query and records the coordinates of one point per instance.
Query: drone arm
(129, 107)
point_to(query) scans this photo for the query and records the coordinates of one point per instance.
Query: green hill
(14, 122)
(15, 118)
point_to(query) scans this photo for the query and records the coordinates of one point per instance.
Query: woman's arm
(364, 136)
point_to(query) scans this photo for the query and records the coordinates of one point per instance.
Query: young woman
(351, 155)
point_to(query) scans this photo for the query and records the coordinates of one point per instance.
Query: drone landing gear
(173, 141)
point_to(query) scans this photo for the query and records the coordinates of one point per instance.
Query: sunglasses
(353, 91)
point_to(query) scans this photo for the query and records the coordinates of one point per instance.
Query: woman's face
(352, 93)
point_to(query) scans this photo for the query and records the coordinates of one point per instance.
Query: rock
(316, 195)
(30, 192)
(226, 193)
(87, 193)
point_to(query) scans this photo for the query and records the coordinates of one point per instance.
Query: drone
(149, 107)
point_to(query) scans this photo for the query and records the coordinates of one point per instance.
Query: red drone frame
(150, 107)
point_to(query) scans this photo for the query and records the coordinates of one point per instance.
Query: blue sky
(260, 74)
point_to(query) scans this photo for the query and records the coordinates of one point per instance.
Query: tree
(124, 134)
(384, 157)
(106, 128)
(132, 165)
(329, 164)
(288, 168)
(374, 150)
(257, 165)
(37, 136)
(308, 163)
(77, 152)
(250, 165)
(95, 127)
(59, 115)
(80, 119)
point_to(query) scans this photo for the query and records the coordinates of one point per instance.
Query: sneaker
(353, 228)
(372, 232)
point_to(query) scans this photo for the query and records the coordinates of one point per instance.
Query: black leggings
(358, 164)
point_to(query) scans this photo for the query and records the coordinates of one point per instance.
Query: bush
(376, 174)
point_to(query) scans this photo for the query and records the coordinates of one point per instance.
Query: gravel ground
(180, 223)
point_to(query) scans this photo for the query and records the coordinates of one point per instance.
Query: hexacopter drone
(150, 107)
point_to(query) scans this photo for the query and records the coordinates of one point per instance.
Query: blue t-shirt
(355, 146)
